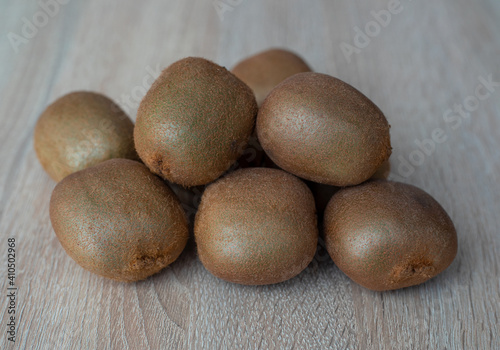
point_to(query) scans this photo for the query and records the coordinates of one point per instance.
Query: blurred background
(428, 66)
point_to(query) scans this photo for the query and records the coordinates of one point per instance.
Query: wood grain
(428, 58)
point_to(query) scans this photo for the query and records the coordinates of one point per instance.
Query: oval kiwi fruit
(118, 220)
(323, 130)
(79, 130)
(194, 122)
(387, 235)
(263, 71)
(256, 226)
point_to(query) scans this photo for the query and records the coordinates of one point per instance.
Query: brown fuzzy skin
(80, 130)
(382, 172)
(387, 235)
(323, 130)
(263, 71)
(194, 122)
(323, 193)
(118, 220)
(256, 226)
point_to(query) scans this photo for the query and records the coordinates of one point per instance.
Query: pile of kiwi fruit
(279, 155)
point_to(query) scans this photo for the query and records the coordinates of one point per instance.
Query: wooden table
(425, 59)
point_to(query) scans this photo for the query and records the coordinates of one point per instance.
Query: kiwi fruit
(256, 226)
(194, 122)
(387, 235)
(323, 130)
(263, 71)
(118, 220)
(79, 130)
(382, 172)
(323, 193)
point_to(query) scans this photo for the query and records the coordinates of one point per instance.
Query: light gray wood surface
(429, 57)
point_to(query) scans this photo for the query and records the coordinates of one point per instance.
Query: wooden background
(428, 58)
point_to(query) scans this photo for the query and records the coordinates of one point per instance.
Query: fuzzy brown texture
(382, 172)
(256, 226)
(387, 235)
(194, 122)
(80, 130)
(323, 193)
(118, 220)
(323, 130)
(263, 71)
